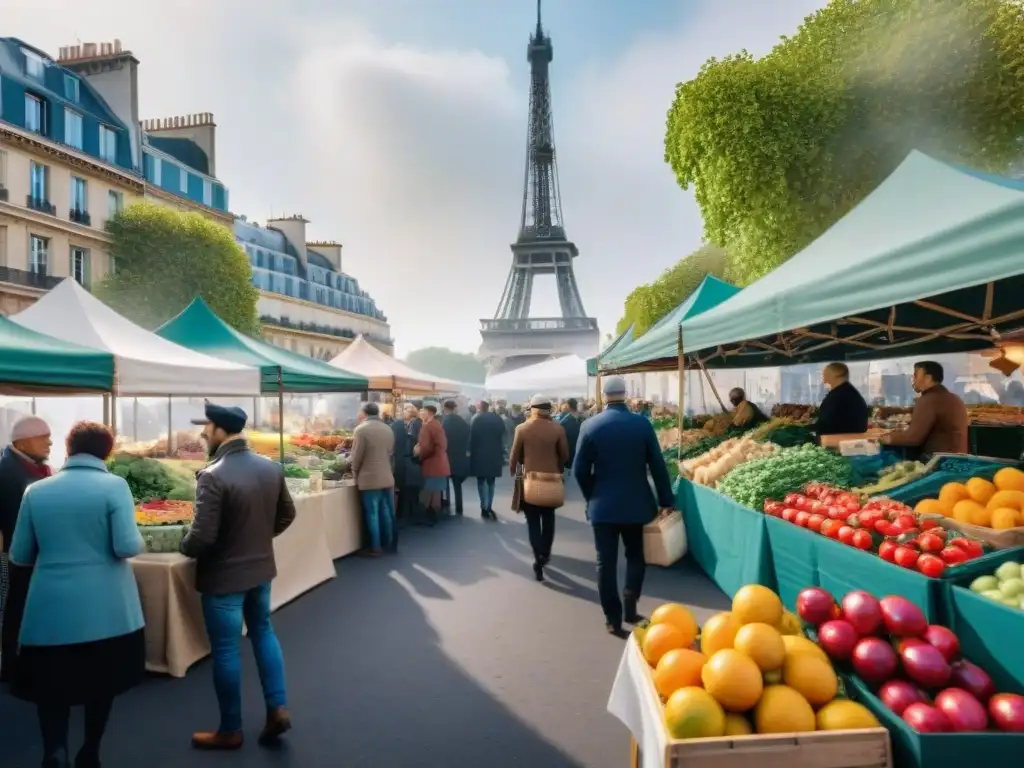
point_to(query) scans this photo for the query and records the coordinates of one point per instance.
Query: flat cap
(228, 417)
(540, 401)
(614, 386)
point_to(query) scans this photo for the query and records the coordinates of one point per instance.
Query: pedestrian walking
(413, 472)
(486, 455)
(22, 463)
(456, 432)
(538, 456)
(82, 641)
(373, 448)
(242, 504)
(431, 451)
(615, 451)
(571, 420)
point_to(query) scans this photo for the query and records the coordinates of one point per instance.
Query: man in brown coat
(373, 450)
(540, 445)
(939, 422)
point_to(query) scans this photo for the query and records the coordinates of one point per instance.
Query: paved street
(449, 654)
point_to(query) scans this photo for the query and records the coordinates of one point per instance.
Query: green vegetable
(789, 435)
(150, 480)
(773, 477)
(295, 471)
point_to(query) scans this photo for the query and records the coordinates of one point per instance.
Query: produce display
(892, 477)
(151, 479)
(709, 468)
(997, 504)
(997, 415)
(1005, 585)
(774, 476)
(794, 411)
(887, 528)
(748, 671)
(157, 513)
(187, 445)
(915, 668)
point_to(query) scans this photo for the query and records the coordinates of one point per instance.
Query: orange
(790, 624)
(691, 713)
(801, 645)
(1009, 479)
(1012, 499)
(762, 644)
(981, 516)
(783, 710)
(930, 507)
(1005, 518)
(718, 632)
(659, 640)
(733, 679)
(811, 677)
(964, 511)
(679, 668)
(678, 616)
(754, 603)
(845, 715)
(951, 493)
(737, 725)
(981, 490)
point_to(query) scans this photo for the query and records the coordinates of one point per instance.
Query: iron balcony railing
(328, 330)
(38, 204)
(28, 279)
(80, 217)
(4, 194)
(540, 324)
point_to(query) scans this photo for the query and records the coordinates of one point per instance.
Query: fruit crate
(936, 750)
(868, 748)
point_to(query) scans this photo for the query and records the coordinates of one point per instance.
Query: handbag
(665, 540)
(544, 489)
(517, 489)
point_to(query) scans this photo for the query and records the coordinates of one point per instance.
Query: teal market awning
(34, 363)
(931, 261)
(661, 341)
(198, 328)
(625, 338)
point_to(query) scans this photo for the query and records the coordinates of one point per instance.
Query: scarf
(36, 469)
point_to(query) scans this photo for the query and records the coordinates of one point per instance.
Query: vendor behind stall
(745, 413)
(843, 411)
(939, 422)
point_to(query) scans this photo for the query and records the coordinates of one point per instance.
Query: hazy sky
(398, 128)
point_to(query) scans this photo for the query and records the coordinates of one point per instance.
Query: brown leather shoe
(215, 740)
(279, 722)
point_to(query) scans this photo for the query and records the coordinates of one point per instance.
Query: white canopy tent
(562, 376)
(386, 373)
(145, 364)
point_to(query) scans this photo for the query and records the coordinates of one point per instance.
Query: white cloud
(413, 157)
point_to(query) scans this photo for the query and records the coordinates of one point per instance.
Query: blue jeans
(379, 512)
(223, 615)
(485, 489)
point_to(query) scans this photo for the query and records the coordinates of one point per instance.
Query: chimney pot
(90, 50)
(117, 45)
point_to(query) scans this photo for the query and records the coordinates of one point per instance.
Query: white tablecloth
(633, 703)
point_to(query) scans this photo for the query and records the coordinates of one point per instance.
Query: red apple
(964, 712)
(972, 679)
(837, 637)
(901, 617)
(863, 612)
(926, 719)
(815, 606)
(874, 659)
(897, 695)
(944, 640)
(1007, 710)
(925, 665)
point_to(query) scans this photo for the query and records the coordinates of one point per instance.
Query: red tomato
(906, 557)
(837, 512)
(788, 514)
(881, 526)
(954, 556)
(929, 542)
(862, 540)
(814, 522)
(887, 550)
(791, 499)
(852, 506)
(845, 534)
(831, 528)
(802, 518)
(906, 522)
(931, 566)
(970, 546)
(927, 525)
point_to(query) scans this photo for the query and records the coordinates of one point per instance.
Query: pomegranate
(925, 665)
(837, 637)
(964, 712)
(1007, 710)
(944, 640)
(874, 659)
(897, 695)
(863, 612)
(926, 719)
(815, 606)
(901, 617)
(972, 679)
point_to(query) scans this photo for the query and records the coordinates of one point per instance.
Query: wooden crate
(869, 748)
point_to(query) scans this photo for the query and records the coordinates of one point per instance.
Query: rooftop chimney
(198, 127)
(294, 229)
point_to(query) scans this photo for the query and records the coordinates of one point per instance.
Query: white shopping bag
(665, 540)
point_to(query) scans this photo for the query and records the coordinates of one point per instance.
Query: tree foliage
(166, 258)
(647, 304)
(444, 362)
(779, 148)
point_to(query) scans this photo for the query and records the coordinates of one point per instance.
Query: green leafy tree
(449, 364)
(647, 304)
(777, 149)
(166, 258)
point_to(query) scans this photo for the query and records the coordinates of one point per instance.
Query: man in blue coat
(615, 451)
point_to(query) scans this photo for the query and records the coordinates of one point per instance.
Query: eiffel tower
(514, 338)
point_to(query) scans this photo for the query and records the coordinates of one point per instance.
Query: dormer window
(71, 88)
(34, 64)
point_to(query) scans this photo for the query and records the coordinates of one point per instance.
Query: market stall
(561, 376)
(33, 362)
(385, 373)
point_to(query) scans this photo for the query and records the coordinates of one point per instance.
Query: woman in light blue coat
(81, 637)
